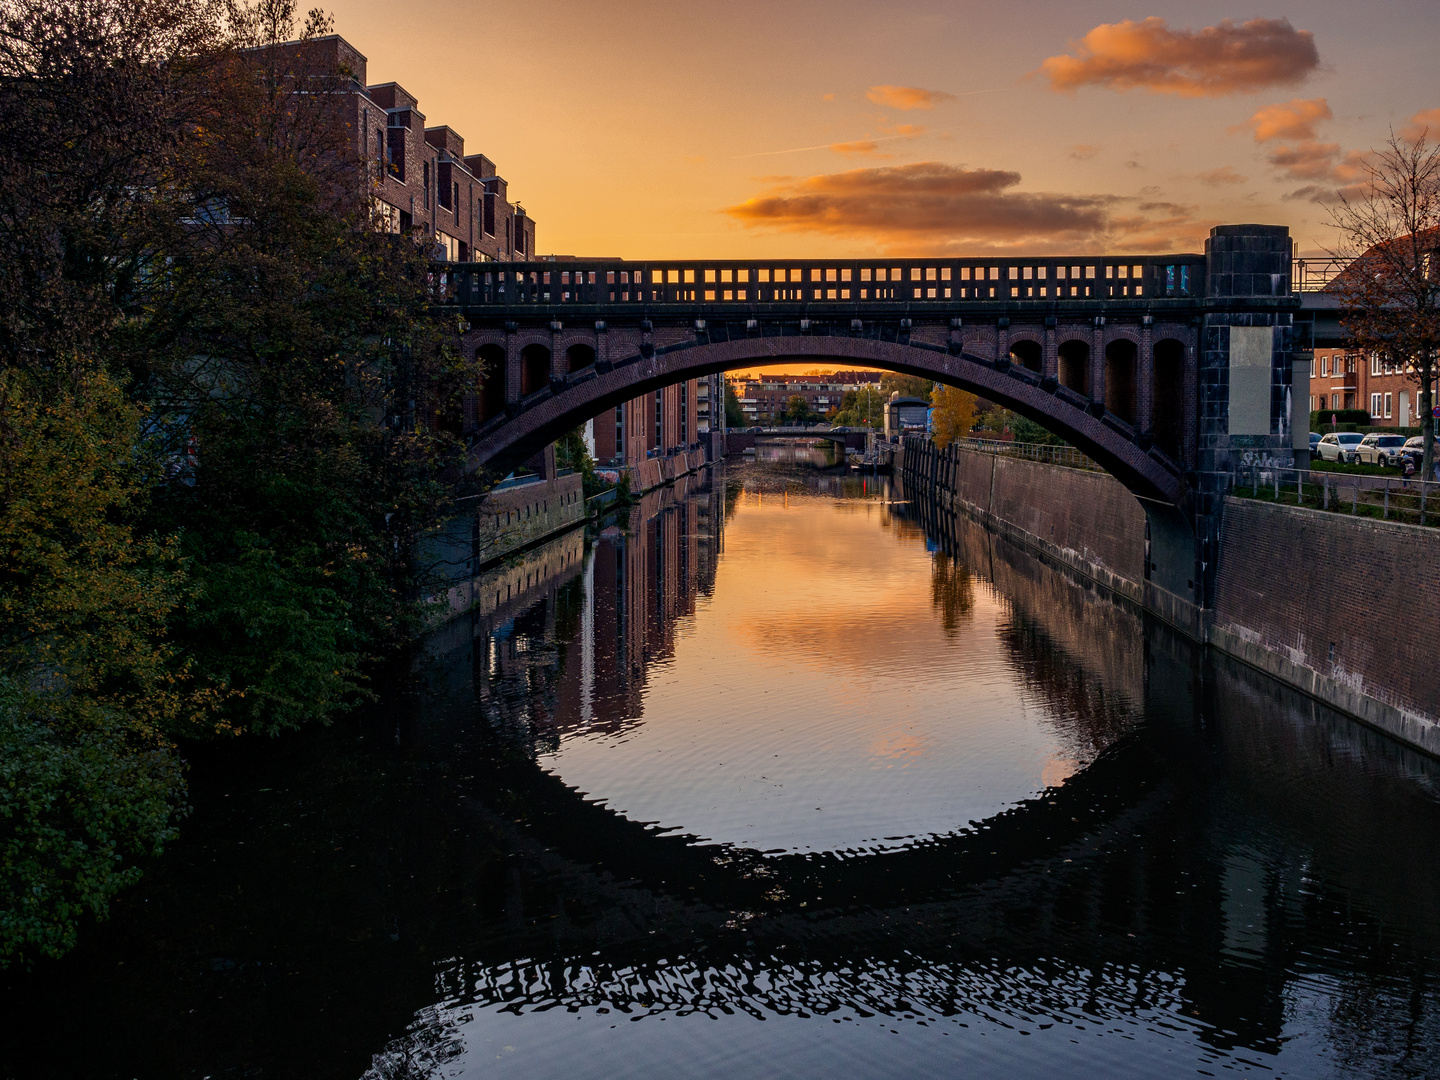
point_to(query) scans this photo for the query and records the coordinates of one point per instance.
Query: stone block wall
(1350, 627)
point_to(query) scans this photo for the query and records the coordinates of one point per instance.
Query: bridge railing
(1314, 275)
(1066, 456)
(908, 281)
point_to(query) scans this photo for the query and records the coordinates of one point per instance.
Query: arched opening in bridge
(1168, 396)
(578, 357)
(1120, 379)
(1075, 366)
(1026, 353)
(491, 359)
(534, 368)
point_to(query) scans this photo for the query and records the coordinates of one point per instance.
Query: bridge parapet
(906, 282)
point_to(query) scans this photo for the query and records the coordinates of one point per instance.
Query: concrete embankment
(1332, 605)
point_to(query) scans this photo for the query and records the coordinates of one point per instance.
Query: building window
(426, 179)
(455, 200)
(380, 152)
(1387, 405)
(1374, 404)
(1374, 363)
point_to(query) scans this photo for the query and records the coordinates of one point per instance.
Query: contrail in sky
(886, 138)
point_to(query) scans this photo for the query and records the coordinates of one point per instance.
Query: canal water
(780, 774)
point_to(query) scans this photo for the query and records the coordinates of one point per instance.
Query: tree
(798, 411)
(89, 686)
(734, 414)
(953, 416)
(1390, 232)
(209, 529)
(907, 385)
(859, 408)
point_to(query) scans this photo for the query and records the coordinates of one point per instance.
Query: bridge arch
(534, 368)
(543, 413)
(1073, 359)
(1028, 352)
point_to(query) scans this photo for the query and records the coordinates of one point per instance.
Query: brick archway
(528, 425)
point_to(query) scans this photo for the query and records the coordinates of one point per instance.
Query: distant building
(763, 400)
(906, 415)
(1343, 378)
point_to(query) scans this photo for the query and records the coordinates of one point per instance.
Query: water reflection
(1133, 859)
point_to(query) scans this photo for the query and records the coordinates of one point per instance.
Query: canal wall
(1085, 521)
(1342, 625)
(1350, 624)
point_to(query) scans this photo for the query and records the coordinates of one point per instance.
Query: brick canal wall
(1331, 605)
(1339, 606)
(1086, 521)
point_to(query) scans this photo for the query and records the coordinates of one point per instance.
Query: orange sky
(658, 130)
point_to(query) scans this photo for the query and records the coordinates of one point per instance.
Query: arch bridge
(1169, 371)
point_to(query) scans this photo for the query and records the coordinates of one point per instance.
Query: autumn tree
(953, 416)
(225, 411)
(1390, 234)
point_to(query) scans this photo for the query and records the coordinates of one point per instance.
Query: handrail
(1393, 496)
(1064, 456)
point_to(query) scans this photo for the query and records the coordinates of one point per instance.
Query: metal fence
(1066, 456)
(1390, 498)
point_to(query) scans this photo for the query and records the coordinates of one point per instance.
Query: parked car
(1314, 440)
(1377, 449)
(1414, 447)
(1339, 445)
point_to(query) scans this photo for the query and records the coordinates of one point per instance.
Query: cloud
(1295, 119)
(1212, 62)
(1310, 193)
(1082, 151)
(936, 208)
(827, 97)
(907, 131)
(1425, 124)
(906, 98)
(1309, 160)
(1221, 177)
(859, 148)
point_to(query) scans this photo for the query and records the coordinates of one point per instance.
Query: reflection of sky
(817, 702)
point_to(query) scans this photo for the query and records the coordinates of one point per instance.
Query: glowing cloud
(1295, 119)
(1083, 151)
(1426, 124)
(1212, 62)
(906, 98)
(937, 207)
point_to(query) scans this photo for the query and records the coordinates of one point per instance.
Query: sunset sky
(835, 129)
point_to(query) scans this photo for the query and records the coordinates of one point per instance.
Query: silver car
(1377, 449)
(1339, 446)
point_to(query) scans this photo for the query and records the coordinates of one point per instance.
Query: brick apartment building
(423, 181)
(1346, 379)
(764, 399)
(421, 178)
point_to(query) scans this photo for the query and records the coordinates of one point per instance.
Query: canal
(777, 773)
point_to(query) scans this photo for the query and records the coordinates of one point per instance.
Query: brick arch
(507, 440)
(1032, 353)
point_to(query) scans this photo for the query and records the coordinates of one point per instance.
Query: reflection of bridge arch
(539, 417)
